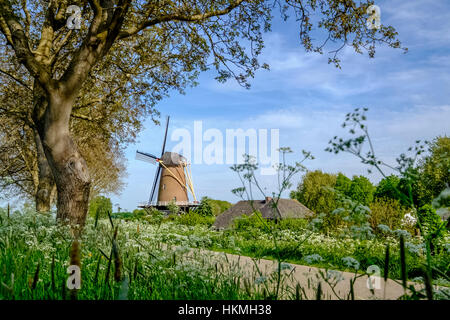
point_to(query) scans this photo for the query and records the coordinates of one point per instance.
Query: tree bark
(72, 181)
(68, 168)
(46, 183)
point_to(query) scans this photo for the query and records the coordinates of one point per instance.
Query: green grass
(27, 241)
(151, 268)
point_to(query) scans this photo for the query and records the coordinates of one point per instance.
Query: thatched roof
(444, 213)
(286, 208)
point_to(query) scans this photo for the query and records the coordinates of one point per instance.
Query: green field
(148, 260)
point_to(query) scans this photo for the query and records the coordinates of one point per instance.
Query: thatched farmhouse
(444, 213)
(286, 208)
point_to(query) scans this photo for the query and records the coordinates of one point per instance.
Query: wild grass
(143, 260)
(35, 256)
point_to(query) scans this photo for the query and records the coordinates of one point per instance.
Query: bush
(205, 208)
(154, 216)
(139, 213)
(431, 224)
(124, 215)
(254, 220)
(194, 218)
(361, 190)
(173, 208)
(100, 206)
(386, 211)
(127, 215)
(315, 191)
(293, 224)
(219, 206)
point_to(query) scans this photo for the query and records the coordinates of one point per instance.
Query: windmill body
(172, 182)
(173, 179)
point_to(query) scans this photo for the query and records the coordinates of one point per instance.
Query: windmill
(173, 179)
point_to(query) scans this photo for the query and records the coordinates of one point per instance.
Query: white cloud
(307, 99)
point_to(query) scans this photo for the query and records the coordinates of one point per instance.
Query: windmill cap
(173, 159)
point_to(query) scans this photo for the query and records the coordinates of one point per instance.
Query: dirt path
(336, 287)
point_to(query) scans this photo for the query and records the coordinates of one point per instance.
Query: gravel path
(336, 287)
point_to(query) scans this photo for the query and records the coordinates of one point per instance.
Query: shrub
(139, 213)
(154, 216)
(388, 212)
(314, 191)
(100, 206)
(219, 206)
(254, 220)
(205, 208)
(173, 208)
(355, 217)
(194, 218)
(127, 215)
(431, 224)
(293, 224)
(361, 190)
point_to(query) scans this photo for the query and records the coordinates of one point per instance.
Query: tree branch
(178, 17)
(15, 79)
(5, 30)
(27, 17)
(59, 46)
(14, 31)
(84, 117)
(102, 33)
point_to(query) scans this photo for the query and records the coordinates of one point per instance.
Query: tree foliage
(212, 207)
(205, 208)
(387, 188)
(360, 145)
(316, 192)
(361, 190)
(386, 211)
(358, 189)
(434, 171)
(131, 54)
(343, 184)
(99, 207)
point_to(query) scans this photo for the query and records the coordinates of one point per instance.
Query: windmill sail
(155, 183)
(153, 193)
(165, 137)
(147, 157)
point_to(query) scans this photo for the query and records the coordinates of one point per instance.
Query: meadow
(356, 228)
(145, 257)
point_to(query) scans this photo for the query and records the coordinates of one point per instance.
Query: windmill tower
(173, 179)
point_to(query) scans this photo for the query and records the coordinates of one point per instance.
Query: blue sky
(307, 99)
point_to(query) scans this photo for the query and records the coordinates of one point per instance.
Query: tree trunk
(72, 182)
(46, 183)
(69, 169)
